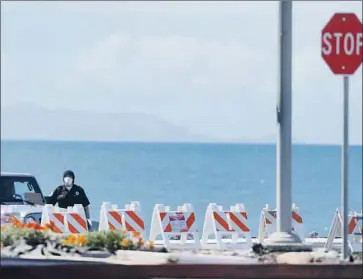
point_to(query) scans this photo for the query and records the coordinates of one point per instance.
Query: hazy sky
(210, 66)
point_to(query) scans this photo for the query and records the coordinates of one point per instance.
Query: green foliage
(32, 237)
(110, 240)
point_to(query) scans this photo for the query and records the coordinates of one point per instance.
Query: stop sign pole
(341, 49)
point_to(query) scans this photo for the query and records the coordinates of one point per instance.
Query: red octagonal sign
(342, 43)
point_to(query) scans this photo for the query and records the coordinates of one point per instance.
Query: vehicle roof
(16, 174)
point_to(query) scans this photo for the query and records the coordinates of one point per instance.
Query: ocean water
(173, 174)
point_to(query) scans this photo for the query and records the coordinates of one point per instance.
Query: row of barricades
(178, 229)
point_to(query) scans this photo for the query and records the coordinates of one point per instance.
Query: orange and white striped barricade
(110, 218)
(56, 216)
(75, 219)
(355, 233)
(177, 228)
(66, 221)
(221, 224)
(127, 219)
(267, 224)
(238, 221)
(297, 222)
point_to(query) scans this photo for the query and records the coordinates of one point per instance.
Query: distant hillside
(28, 121)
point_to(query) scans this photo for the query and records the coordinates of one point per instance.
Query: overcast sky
(209, 66)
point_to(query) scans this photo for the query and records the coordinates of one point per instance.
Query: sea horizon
(178, 142)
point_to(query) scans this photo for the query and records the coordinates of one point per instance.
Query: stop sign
(342, 43)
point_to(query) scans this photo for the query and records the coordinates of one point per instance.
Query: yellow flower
(72, 239)
(3, 228)
(136, 234)
(150, 243)
(124, 242)
(82, 239)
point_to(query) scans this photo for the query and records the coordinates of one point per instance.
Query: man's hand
(89, 224)
(61, 196)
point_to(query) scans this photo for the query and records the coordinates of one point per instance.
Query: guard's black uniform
(65, 197)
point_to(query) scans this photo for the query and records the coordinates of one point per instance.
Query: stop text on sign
(349, 43)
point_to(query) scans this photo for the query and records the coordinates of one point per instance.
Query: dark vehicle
(20, 188)
(20, 196)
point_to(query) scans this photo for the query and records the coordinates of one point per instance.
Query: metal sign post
(341, 49)
(344, 174)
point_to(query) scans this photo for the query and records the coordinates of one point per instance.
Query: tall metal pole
(344, 174)
(283, 162)
(284, 239)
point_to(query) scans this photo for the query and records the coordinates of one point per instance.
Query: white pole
(283, 160)
(344, 170)
(284, 239)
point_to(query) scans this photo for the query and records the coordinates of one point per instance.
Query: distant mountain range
(28, 121)
(33, 122)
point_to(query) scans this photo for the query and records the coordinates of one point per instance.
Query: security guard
(70, 194)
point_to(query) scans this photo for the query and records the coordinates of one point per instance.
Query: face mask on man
(68, 182)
